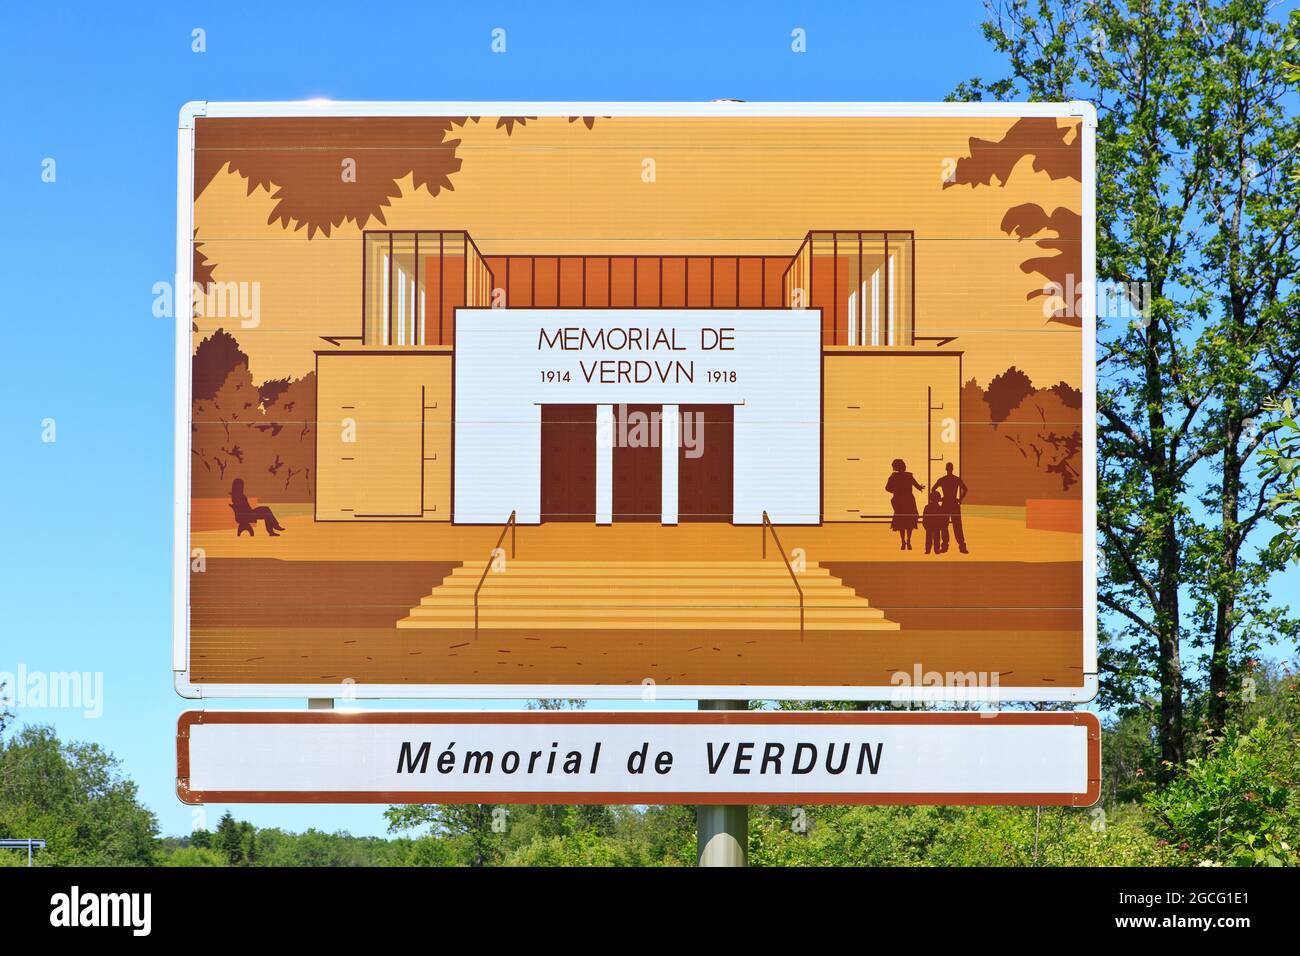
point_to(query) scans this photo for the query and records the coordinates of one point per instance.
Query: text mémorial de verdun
(648, 341)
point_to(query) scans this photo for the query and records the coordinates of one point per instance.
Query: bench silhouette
(244, 520)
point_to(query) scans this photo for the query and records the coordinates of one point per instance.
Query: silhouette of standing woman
(246, 517)
(900, 486)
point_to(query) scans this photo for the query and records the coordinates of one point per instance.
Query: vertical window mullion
(861, 317)
(889, 303)
(835, 288)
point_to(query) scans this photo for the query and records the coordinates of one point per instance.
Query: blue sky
(86, 573)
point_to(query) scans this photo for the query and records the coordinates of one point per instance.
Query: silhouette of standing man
(953, 490)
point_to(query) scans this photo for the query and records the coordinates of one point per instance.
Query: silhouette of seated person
(935, 521)
(247, 516)
(953, 490)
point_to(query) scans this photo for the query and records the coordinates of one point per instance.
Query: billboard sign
(635, 400)
(692, 757)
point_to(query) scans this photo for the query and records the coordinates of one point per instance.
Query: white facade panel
(764, 362)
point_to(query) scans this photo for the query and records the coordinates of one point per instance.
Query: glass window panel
(403, 325)
(375, 295)
(902, 252)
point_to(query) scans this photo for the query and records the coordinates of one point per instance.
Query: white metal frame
(184, 309)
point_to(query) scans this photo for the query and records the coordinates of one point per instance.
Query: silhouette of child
(935, 520)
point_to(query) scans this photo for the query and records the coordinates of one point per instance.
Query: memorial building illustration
(798, 378)
(584, 401)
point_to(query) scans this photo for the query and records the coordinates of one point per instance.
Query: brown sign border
(1030, 718)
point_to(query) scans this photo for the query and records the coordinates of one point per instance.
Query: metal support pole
(723, 831)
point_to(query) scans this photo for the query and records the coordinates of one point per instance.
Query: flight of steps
(645, 595)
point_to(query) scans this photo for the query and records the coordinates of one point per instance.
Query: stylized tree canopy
(1037, 136)
(324, 172)
(214, 359)
(1059, 157)
(1061, 269)
(203, 267)
(1006, 391)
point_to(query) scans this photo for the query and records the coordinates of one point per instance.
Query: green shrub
(1239, 804)
(193, 856)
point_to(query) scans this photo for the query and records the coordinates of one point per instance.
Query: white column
(528, 489)
(670, 430)
(604, 464)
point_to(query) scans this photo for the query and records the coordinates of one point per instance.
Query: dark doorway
(705, 472)
(638, 463)
(568, 462)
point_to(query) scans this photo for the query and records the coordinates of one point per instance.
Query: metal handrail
(768, 526)
(508, 526)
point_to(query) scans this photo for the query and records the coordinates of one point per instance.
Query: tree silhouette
(1019, 442)
(202, 277)
(271, 389)
(992, 161)
(1006, 391)
(1038, 428)
(203, 267)
(1061, 269)
(325, 171)
(216, 357)
(1070, 396)
(260, 433)
(304, 162)
(1037, 136)
(508, 123)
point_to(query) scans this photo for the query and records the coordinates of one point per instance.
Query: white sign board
(742, 455)
(764, 363)
(683, 757)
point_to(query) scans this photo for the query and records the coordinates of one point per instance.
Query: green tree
(1280, 458)
(476, 829)
(248, 838)
(230, 839)
(1197, 201)
(75, 797)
